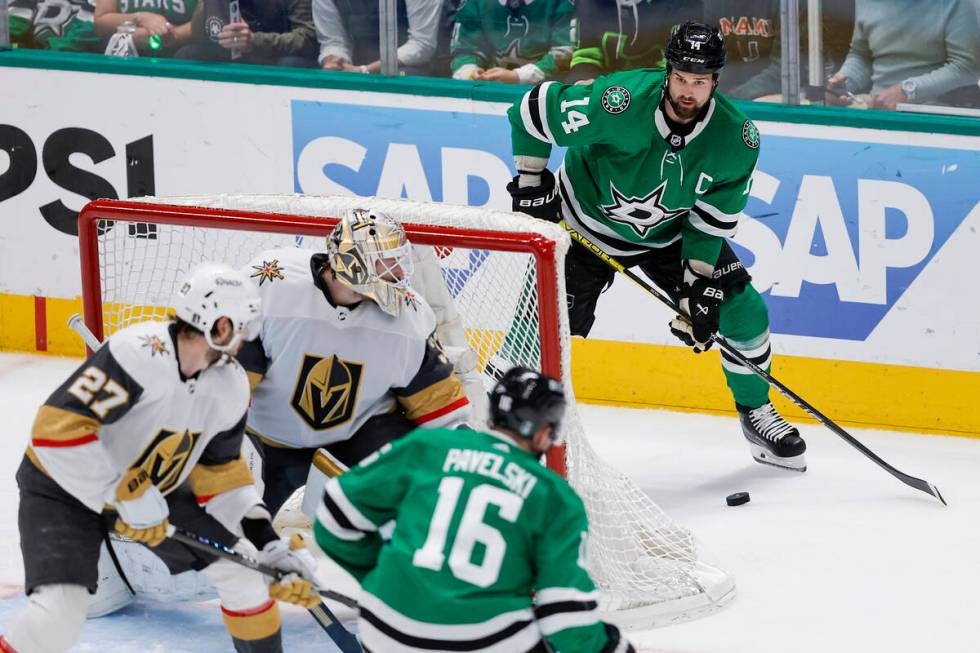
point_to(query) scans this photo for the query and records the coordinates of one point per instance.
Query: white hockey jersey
(129, 406)
(319, 371)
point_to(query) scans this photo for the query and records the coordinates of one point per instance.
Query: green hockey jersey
(627, 181)
(488, 33)
(177, 12)
(54, 25)
(479, 526)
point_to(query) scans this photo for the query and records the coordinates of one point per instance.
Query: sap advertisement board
(862, 241)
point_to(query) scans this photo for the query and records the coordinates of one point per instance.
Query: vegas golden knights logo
(166, 456)
(326, 391)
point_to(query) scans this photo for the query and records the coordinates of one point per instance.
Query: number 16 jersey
(479, 527)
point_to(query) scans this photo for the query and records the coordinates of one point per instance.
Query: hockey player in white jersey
(147, 431)
(346, 360)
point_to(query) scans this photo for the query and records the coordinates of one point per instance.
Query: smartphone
(234, 16)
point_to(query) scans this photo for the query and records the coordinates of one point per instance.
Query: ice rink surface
(841, 558)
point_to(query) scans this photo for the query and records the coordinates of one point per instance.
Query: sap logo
(402, 173)
(829, 275)
(783, 267)
(62, 155)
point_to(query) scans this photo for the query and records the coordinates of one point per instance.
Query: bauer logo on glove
(701, 302)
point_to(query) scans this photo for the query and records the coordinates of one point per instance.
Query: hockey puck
(737, 499)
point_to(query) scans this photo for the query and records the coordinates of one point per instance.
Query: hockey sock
(52, 620)
(744, 321)
(257, 630)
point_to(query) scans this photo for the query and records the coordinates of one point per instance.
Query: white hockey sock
(52, 620)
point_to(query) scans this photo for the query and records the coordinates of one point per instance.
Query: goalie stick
(911, 481)
(323, 615)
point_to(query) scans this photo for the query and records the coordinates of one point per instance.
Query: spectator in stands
(513, 41)
(278, 32)
(752, 39)
(616, 35)
(171, 21)
(66, 26)
(910, 51)
(750, 30)
(349, 35)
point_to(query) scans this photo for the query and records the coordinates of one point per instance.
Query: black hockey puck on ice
(737, 499)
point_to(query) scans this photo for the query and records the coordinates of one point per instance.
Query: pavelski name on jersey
(128, 410)
(524, 581)
(490, 465)
(319, 371)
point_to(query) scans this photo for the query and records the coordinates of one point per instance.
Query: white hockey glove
(292, 557)
(143, 511)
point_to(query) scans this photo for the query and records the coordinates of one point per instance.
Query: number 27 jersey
(481, 526)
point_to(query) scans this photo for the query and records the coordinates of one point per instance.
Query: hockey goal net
(504, 274)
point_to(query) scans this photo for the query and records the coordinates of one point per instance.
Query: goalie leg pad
(52, 620)
(112, 594)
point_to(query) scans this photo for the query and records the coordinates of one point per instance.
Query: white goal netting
(511, 302)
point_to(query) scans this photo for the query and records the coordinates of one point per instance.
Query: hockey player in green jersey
(513, 41)
(658, 168)
(481, 527)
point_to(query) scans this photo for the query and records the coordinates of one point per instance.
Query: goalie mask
(212, 291)
(370, 253)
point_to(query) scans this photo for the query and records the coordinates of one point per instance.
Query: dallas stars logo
(155, 345)
(616, 99)
(511, 55)
(268, 271)
(641, 214)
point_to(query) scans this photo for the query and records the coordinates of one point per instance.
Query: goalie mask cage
(505, 275)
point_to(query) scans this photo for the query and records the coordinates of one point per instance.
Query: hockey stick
(340, 636)
(723, 344)
(344, 640)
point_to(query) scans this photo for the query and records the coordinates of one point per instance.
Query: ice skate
(772, 440)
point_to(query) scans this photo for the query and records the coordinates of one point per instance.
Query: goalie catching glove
(143, 512)
(701, 303)
(538, 200)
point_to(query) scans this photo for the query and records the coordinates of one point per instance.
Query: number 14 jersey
(488, 550)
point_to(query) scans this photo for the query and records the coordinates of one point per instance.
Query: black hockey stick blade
(911, 481)
(344, 640)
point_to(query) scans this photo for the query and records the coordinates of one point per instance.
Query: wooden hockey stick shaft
(344, 640)
(911, 481)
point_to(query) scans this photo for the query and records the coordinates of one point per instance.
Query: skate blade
(766, 457)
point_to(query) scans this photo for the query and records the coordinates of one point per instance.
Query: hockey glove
(292, 557)
(143, 511)
(701, 302)
(539, 201)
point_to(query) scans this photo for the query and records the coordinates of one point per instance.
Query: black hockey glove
(536, 201)
(701, 300)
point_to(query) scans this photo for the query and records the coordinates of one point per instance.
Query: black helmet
(696, 48)
(524, 400)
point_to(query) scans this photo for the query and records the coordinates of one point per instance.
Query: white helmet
(370, 253)
(211, 291)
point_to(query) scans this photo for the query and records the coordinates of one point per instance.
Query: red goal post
(533, 243)
(505, 274)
